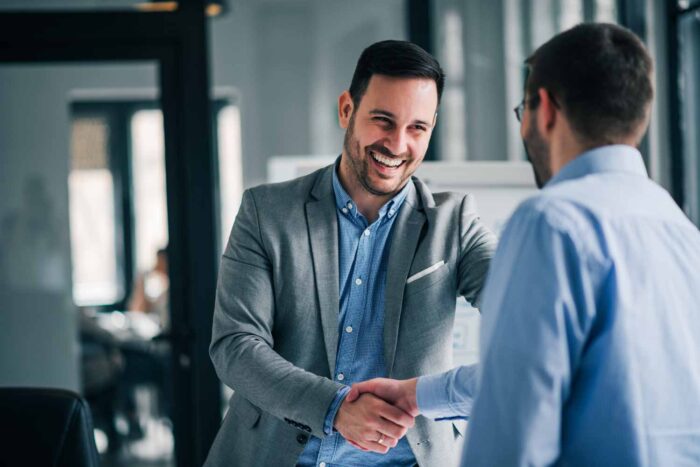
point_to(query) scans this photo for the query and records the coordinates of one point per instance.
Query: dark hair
(601, 77)
(398, 59)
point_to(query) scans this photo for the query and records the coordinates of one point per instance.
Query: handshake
(376, 413)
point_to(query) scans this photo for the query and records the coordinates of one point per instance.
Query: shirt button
(341, 376)
(358, 281)
(348, 329)
(322, 464)
(367, 233)
(345, 210)
(349, 205)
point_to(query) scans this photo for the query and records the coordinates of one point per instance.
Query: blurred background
(129, 129)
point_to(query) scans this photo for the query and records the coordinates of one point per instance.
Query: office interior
(130, 128)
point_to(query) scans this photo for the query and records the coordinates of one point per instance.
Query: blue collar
(613, 158)
(344, 202)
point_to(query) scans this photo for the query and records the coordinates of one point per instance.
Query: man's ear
(548, 113)
(345, 109)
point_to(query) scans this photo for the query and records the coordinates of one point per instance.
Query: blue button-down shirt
(363, 256)
(590, 328)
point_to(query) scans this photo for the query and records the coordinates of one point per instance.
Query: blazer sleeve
(477, 247)
(242, 347)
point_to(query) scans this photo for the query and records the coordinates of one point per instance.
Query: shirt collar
(613, 158)
(346, 205)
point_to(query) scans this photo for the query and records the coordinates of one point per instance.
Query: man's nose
(397, 142)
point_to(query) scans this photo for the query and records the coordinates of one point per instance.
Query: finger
(372, 445)
(390, 429)
(376, 447)
(353, 443)
(396, 415)
(353, 394)
(389, 441)
(381, 436)
(359, 389)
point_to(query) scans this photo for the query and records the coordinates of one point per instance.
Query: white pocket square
(425, 272)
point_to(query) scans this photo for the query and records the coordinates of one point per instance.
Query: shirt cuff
(431, 396)
(447, 396)
(333, 409)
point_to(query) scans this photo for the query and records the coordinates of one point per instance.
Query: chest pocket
(428, 277)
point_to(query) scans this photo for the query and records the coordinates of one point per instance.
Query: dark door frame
(675, 95)
(177, 42)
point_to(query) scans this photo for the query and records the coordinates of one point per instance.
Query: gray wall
(38, 322)
(289, 60)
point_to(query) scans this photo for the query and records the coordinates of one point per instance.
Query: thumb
(353, 394)
(358, 389)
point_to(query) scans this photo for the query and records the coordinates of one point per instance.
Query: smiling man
(347, 274)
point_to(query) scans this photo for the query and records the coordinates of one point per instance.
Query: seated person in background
(148, 362)
(150, 292)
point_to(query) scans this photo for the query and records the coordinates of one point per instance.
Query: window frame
(118, 115)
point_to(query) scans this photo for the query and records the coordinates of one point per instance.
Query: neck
(565, 148)
(367, 203)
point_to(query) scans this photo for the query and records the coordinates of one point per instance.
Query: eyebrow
(386, 113)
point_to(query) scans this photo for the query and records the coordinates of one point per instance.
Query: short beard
(537, 152)
(358, 163)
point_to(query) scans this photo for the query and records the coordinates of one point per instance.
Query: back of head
(397, 59)
(601, 76)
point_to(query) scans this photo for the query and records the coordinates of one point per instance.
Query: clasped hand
(376, 414)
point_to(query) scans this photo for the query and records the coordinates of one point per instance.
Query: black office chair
(45, 427)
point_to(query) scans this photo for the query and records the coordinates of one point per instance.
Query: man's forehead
(395, 93)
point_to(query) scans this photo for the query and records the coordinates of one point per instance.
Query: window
(93, 228)
(228, 138)
(118, 204)
(149, 195)
(482, 47)
(689, 37)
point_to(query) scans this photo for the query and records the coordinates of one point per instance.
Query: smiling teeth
(386, 160)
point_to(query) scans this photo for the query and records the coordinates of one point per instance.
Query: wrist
(334, 410)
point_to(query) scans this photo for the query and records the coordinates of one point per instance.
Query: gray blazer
(275, 333)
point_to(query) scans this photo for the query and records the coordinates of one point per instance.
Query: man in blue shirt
(591, 315)
(347, 274)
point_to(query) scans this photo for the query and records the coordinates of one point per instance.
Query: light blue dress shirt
(363, 256)
(590, 328)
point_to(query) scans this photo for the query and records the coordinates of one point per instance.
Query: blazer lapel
(405, 237)
(323, 232)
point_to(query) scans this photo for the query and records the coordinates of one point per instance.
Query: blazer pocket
(427, 277)
(425, 272)
(245, 412)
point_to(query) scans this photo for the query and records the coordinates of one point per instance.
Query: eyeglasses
(520, 108)
(534, 100)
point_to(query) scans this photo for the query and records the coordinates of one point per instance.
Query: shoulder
(547, 216)
(445, 200)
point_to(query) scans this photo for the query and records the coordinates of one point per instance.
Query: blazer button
(302, 438)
